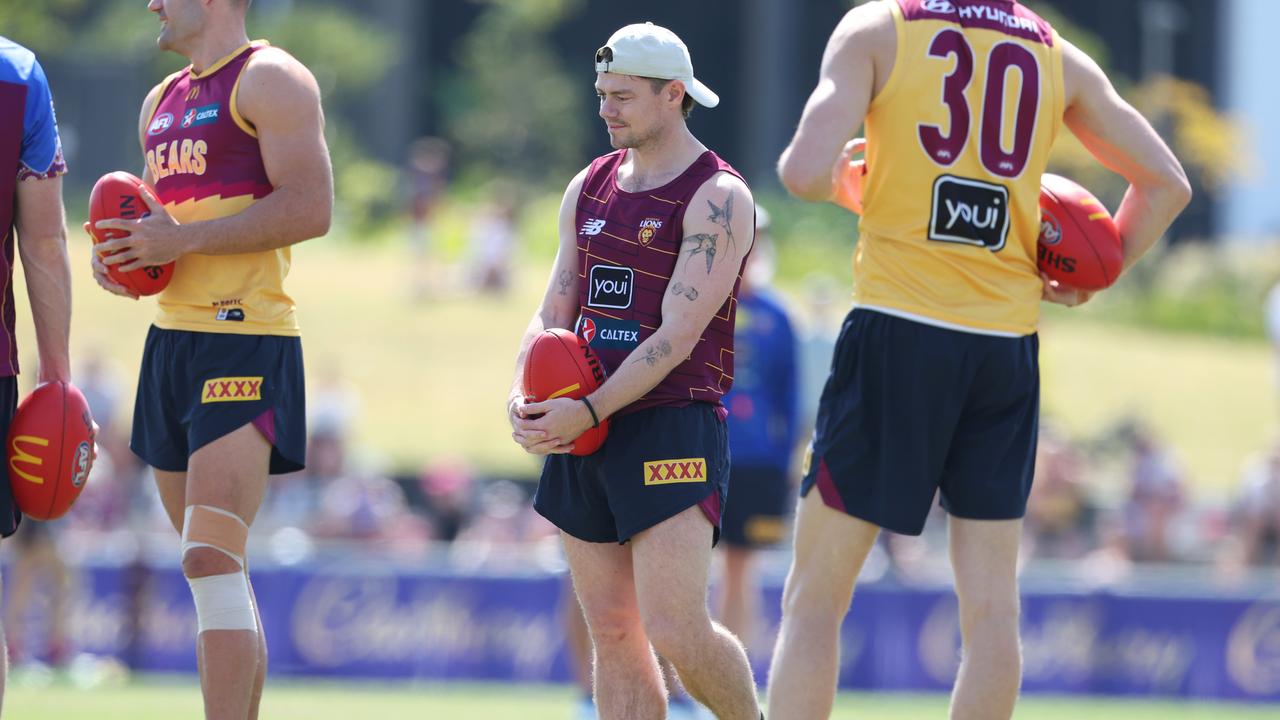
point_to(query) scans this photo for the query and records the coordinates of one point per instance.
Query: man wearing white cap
(653, 238)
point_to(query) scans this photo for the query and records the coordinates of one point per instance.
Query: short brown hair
(686, 103)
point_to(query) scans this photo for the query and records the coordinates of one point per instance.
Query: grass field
(169, 699)
(432, 376)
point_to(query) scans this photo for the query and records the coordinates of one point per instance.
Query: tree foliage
(45, 26)
(513, 110)
(347, 53)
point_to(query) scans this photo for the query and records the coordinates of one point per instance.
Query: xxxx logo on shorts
(232, 389)
(667, 472)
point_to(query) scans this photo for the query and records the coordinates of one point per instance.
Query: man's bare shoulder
(575, 185)
(275, 79)
(1082, 77)
(868, 22)
(723, 201)
(273, 65)
(724, 184)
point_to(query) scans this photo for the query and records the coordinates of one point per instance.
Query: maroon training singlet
(628, 244)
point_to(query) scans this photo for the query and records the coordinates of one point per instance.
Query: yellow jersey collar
(228, 58)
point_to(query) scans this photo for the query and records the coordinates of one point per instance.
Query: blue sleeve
(41, 147)
(788, 373)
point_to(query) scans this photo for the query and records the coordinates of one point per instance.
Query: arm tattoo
(702, 243)
(654, 354)
(689, 292)
(563, 280)
(723, 216)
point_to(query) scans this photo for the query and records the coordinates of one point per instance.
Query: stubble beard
(637, 141)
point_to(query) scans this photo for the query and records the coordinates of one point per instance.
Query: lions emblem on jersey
(648, 228)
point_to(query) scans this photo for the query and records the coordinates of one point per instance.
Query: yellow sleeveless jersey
(206, 164)
(956, 143)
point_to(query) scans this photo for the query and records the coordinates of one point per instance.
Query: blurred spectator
(1156, 499)
(1271, 313)
(817, 342)
(498, 517)
(1256, 514)
(331, 498)
(922, 558)
(99, 382)
(446, 491)
(40, 587)
(368, 507)
(293, 500)
(119, 487)
(492, 239)
(1061, 519)
(763, 434)
(332, 403)
(426, 178)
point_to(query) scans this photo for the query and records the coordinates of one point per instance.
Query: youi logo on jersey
(610, 286)
(969, 211)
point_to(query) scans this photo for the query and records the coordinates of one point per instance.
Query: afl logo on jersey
(648, 228)
(161, 123)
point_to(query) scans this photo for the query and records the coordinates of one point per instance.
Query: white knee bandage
(223, 602)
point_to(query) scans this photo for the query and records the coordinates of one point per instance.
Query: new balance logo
(593, 226)
(232, 389)
(684, 470)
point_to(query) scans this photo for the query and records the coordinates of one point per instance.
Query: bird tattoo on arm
(703, 244)
(723, 216)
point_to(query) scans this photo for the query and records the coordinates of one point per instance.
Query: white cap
(652, 51)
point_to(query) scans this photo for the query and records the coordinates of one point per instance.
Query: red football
(1079, 245)
(49, 446)
(119, 195)
(561, 364)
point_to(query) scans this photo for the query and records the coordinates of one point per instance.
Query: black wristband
(595, 419)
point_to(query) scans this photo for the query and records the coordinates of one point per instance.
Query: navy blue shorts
(910, 410)
(196, 387)
(10, 515)
(759, 506)
(656, 464)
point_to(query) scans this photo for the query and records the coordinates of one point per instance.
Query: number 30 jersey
(956, 143)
